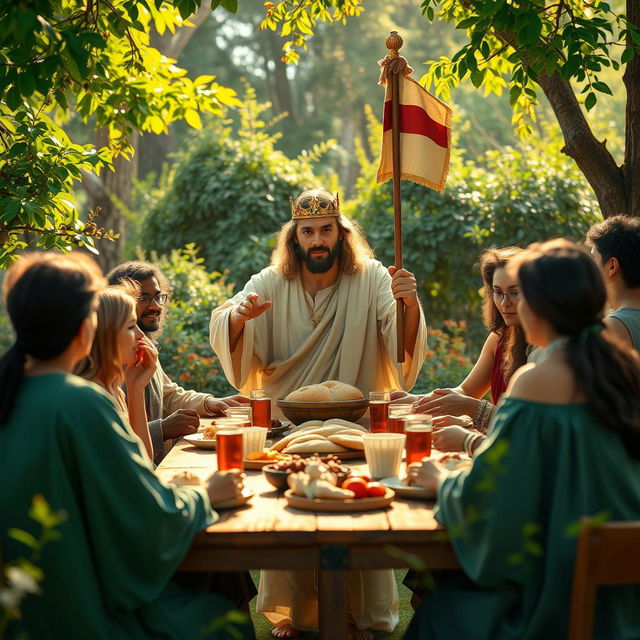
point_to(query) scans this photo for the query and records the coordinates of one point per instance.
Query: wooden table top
(268, 521)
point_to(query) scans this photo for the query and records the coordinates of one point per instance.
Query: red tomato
(357, 485)
(375, 490)
(357, 474)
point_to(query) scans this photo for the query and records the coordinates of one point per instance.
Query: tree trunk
(282, 98)
(108, 193)
(631, 79)
(591, 155)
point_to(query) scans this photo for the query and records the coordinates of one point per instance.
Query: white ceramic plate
(407, 490)
(247, 494)
(197, 440)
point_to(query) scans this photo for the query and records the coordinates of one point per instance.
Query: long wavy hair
(514, 352)
(115, 306)
(355, 249)
(47, 296)
(562, 284)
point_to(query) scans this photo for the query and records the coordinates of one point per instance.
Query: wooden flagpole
(393, 43)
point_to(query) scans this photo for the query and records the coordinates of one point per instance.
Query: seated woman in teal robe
(124, 533)
(564, 444)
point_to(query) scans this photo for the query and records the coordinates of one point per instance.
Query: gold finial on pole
(394, 43)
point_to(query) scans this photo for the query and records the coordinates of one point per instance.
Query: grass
(263, 628)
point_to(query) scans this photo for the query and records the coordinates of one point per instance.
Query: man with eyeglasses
(172, 411)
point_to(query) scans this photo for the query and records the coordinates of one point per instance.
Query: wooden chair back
(608, 554)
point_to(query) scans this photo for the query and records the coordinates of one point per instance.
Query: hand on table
(441, 402)
(404, 286)
(249, 308)
(225, 485)
(236, 401)
(449, 438)
(402, 397)
(452, 421)
(215, 407)
(427, 474)
(180, 423)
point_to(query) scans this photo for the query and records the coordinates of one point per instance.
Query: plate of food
(454, 461)
(278, 427)
(277, 474)
(405, 490)
(339, 504)
(315, 489)
(203, 439)
(247, 494)
(259, 459)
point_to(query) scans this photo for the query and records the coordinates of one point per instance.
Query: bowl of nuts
(277, 473)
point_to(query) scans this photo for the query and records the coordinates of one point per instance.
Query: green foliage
(516, 196)
(185, 353)
(22, 577)
(95, 57)
(37, 172)
(514, 45)
(297, 20)
(230, 194)
(448, 361)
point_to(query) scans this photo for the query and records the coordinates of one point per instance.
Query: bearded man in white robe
(324, 310)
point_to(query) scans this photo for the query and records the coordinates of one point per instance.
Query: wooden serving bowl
(279, 479)
(299, 412)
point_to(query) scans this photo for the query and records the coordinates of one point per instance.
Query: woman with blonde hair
(122, 533)
(121, 354)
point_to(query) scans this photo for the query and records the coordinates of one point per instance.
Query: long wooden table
(268, 534)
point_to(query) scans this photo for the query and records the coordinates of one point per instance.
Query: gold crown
(314, 204)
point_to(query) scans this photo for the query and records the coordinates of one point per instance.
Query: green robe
(542, 467)
(108, 576)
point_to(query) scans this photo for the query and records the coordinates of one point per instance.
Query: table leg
(333, 606)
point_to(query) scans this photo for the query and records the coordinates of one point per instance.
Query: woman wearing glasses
(121, 354)
(504, 350)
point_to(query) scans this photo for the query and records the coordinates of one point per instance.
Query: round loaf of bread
(326, 392)
(342, 391)
(311, 393)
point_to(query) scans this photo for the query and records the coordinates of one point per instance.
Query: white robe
(280, 351)
(354, 342)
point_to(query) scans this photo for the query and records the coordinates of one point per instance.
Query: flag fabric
(425, 136)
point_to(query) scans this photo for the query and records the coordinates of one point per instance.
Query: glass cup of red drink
(418, 429)
(378, 408)
(244, 414)
(229, 446)
(261, 408)
(396, 415)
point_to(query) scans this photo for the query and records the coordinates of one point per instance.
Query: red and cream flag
(425, 136)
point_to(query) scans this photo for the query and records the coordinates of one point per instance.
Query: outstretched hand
(250, 308)
(404, 286)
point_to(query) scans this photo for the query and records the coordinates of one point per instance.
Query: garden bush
(229, 193)
(514, 196)
(185, 352)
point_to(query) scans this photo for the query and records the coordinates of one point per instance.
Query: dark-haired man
(172, 411)
(615, 245)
